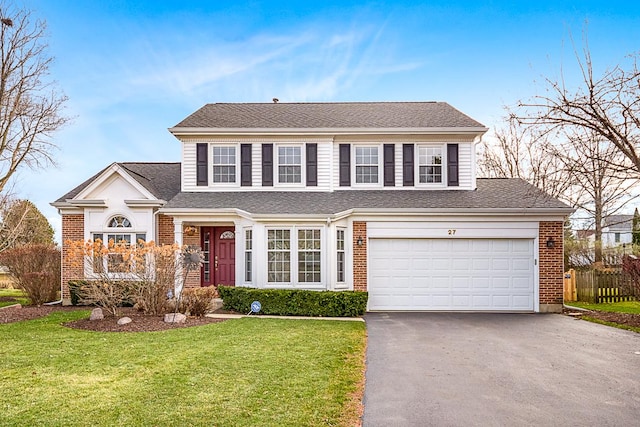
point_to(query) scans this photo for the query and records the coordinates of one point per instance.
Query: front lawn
(246, 372)
(12, 296)
(632, 307)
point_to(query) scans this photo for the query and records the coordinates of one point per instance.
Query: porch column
(177, 231)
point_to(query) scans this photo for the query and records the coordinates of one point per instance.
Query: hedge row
(285, 302)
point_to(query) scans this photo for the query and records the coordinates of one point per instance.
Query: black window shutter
(452, 165)
(389, 165)
(245, 165)
(407, 165)
(202, 164)
(345, 165)
(312, 164)
(267, 165)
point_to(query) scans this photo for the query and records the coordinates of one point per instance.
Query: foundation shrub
(197, 301)
(286, 302)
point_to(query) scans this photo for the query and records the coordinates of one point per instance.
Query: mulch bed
(620, 318)
(140, 321)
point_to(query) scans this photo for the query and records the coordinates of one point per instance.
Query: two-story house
(373, 196)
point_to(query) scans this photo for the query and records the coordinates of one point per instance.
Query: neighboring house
(377, 197)
(617, 230)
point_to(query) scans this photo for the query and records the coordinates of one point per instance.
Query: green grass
(246, 372)
(613, 307)
(17, 294)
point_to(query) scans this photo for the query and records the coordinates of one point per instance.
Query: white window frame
(248, 255)
(342, 251)
(303, 162)
(443, 165)
(211, 154)
(104, 235)
(354, 165)
(294, 258)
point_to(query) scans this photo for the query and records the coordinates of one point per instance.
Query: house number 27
(451, 232)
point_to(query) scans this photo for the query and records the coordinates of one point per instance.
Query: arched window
(119, 221)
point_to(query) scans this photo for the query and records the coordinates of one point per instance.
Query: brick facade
(166, 235)
(551, 265)
(359, 256)
(73, 230)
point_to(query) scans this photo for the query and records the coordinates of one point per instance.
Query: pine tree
(635, 230)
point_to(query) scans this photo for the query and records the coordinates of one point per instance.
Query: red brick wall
(551, 262)
(359, 256)
(72, 229)
(166, 236)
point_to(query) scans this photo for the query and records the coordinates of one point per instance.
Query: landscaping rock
(175, 318)
(124, 321)
(96, 314)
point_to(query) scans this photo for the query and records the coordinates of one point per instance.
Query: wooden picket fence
(598, 286)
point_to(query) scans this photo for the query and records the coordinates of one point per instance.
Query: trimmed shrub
(197, 301)
(295, 302)
(75, 289)
(36, 269)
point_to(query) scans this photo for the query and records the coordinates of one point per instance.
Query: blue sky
(132, 69)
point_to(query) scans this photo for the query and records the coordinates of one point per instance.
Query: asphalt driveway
(446, 369)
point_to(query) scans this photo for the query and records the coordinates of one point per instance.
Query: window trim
(354, 166)
(276, 165)
(248, 255)
(342, 251)
(293, 258)
(443, 165)
(134, 237)
(210, 155)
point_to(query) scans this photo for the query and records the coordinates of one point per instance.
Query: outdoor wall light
(190, 230)
(359, 242)
(550, 242)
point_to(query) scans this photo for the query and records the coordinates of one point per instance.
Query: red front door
(219, 248)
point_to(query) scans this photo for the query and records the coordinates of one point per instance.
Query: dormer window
(224, 164)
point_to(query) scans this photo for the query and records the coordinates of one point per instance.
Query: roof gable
(153, 181)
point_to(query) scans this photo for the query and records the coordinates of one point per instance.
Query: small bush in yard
(36, 269)
(197, 301)
(287, 302)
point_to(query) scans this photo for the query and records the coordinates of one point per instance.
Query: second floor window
(366, 165)
(289, 165)
(224, 164)
(430, 162)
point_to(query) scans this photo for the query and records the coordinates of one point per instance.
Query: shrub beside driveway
(243, 372)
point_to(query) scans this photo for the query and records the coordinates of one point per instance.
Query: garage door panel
(455, 274)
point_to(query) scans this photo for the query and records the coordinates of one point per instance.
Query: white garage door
(451, 274)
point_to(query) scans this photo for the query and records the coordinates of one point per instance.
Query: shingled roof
(491, 195)
(160, 179)
(334, 115)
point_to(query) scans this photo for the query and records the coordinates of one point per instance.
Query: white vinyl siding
(465, 170)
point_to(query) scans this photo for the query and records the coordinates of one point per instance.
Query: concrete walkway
(445, 369)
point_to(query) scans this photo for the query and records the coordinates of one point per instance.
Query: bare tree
(30, 104)
(523, 152)
(596, 187)
(607, 106)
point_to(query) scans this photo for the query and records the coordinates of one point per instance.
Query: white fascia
(112, 169)
(189, 131)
